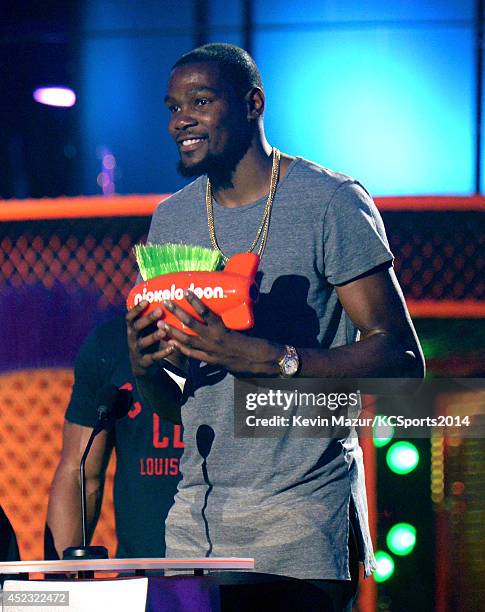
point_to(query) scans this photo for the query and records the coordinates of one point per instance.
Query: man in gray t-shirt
(325, 275)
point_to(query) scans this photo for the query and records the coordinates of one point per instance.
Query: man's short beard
(219, 167)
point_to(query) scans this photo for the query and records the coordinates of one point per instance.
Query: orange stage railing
(467, 306)
(139, 205)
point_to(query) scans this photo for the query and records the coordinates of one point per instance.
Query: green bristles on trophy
(157, 259)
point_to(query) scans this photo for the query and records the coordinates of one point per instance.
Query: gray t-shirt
(285, 501)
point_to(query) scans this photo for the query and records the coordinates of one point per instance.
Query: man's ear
(254, 102)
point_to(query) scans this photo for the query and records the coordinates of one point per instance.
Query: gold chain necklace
(264, 226)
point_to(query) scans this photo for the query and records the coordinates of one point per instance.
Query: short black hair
(236, 65)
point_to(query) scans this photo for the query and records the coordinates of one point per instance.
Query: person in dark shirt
(147, 455)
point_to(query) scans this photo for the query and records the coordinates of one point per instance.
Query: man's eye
(173, 108)
(201, 101)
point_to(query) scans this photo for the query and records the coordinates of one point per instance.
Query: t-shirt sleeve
(88, 378)
(354, 236)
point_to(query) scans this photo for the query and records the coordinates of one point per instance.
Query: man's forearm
(64, 511)
(381, 354)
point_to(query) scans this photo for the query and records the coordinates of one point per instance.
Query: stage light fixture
(55, 96)
(385, 566)
(402, 457)
(401, 539)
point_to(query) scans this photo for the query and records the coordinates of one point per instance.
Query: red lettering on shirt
(135, 411)
(165, 441)
(177, 436)
(159, 466)
(157, 443)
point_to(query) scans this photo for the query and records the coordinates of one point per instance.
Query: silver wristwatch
(290, 362)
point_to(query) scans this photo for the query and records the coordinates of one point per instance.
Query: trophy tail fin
(245, 264)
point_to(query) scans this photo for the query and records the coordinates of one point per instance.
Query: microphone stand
(114, 405)
(79, 553)
(82, 480)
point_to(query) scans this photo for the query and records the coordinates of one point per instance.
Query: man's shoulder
(189, 193)
(108, 337)
(324, 188)
(114, 329)
(317, 176)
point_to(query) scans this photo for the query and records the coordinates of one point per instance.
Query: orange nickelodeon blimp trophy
(169, 270)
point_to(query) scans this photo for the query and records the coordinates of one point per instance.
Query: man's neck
(251, 178)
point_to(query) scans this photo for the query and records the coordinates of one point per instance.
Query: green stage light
(385, 566)
(382, 435)
(401, 539)
(402, 457)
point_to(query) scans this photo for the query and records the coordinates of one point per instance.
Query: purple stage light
(55, 96)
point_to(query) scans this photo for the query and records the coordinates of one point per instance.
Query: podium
(139, 566)
(206, 585)
(137, 594)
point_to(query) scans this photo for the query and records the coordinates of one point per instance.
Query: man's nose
(183, 120)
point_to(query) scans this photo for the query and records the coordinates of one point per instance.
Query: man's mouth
(190, 144)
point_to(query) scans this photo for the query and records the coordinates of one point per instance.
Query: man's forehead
(200, 75)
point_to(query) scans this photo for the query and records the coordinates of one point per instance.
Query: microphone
(113, 404)
(105, 400)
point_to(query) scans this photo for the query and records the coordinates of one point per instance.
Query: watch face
(289, 363)
(291, 366)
